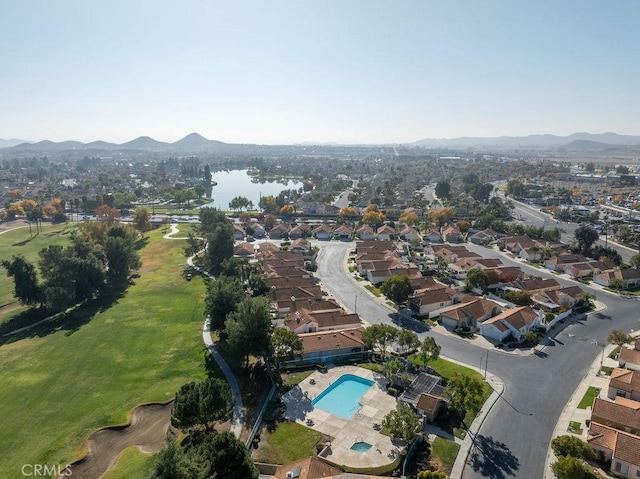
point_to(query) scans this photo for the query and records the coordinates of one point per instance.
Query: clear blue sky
(321, 71)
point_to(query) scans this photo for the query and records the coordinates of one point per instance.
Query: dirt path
(148, 428)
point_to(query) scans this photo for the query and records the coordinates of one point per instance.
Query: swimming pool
(341, 398)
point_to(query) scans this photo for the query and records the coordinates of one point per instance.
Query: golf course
(68, 377)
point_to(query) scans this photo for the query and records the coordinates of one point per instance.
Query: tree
(634, 262)
(268, 204)
(441, 216)
(443, 188)
(407, 340)
(521, 298)
(432, 475)
(380, 336)
(219, 246)
(573, 446)
(617, 284)
(142, 220)
(567, 467)
(619, 338)
(392, 368)
(223, 456)
(287, 210)
(121, 255)
(348, 212)
(374, 218)
(107, 214)
(464, 393)
(477, 278)
(248, 328)
(201, 404)
(285, 344)
(26, 287)
(585, 236)
(397, 288)
(223, 296)
(210, 218)
(409, 218)
(531, 337)
(429, 350)
(194, 245)
(169, 461)
(402, 423)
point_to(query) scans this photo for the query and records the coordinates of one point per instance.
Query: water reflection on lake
(237, 183)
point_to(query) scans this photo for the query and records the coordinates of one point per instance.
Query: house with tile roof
(301, 230)
(259, 230)
(238, 232)
(515, 322)
(469, 313)
(432, 235)
(409, 233)
(322, 232)
(452, 253)
(385, 233)
(515, 244)
(630, 276)
(483, 237)
(326, 346)
(279, 231)
(244, 250)
(630, 357)
(622, 414)
(452, 234)
(624, 383)
(620, 448)
(560, 262)
(366, 233)
(536, 285)
(300, 246)
(555, 300)
(304, 320)
(429, 301)
(343, 233)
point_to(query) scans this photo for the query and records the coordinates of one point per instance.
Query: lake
(237, 183)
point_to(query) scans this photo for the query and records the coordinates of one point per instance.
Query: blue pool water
(341, 398)
(360, 446)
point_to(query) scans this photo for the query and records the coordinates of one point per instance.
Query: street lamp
(355, 306)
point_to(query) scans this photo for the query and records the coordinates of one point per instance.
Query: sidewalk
(571, 412)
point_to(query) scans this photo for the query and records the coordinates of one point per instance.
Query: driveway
(514, 438)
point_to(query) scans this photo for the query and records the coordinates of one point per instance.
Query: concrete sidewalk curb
(469, 441)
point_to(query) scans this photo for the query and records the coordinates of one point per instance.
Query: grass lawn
(64, 379)
(376, 292)
(287, 443)
(589, 396)
(446, 451)
(294, 378)
(132, 464)
(19, 241)
(375, 367)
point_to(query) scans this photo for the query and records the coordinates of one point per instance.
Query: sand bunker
(148, 429)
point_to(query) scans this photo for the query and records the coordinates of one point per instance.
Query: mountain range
(195, 143)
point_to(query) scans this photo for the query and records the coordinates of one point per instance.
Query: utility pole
(486, 361)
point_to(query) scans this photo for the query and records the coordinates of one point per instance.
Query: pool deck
(376, 403)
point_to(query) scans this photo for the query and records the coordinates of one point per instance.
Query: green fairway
(19, 241)
(66, 378)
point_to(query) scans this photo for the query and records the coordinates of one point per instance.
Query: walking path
(238, 413)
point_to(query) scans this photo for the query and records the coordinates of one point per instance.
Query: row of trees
(90, 266)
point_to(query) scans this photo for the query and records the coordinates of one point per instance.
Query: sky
(344, 71)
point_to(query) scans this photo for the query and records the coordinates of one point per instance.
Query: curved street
(514, 438)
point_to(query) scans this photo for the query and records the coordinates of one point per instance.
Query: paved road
(514, 438)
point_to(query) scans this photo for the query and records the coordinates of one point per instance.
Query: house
(238, 232)
(461, 267)
(624, 383)
(326, 346)
(483, 237)
(536, 285)
(620, 448)
(515, 244)
(279, 231)
(504, 274)
(304, 320)
(427, 301)
(258, 230)
(452, 234)
(432, 235)
(285, 298)
(366, 233)
(630, 276)
(452, 253)
(630, 358)
(425, 394)
(343, 233)
(299, 231)
(300, 245)
(560, 262)
(382, 271)
(409, 233)
(322, 232)
(622, 414)
(515, 322)
(555, 300)
(243, 250)
(309, 468)
(385, 232)
(469, 313)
